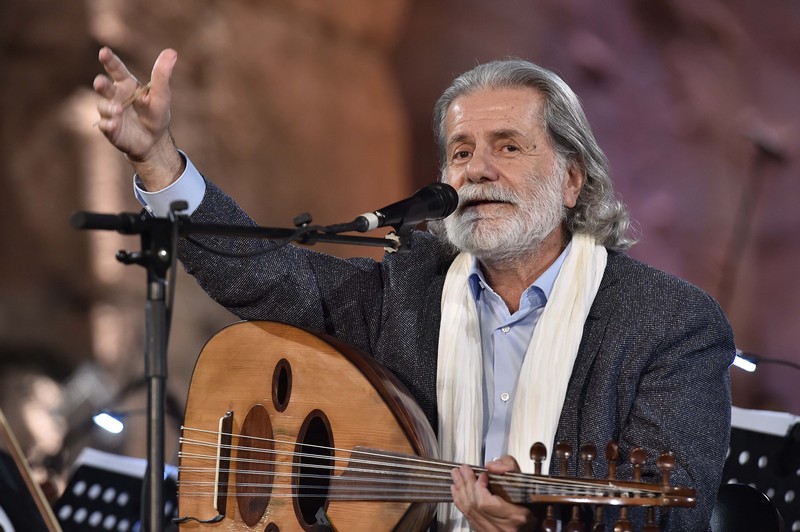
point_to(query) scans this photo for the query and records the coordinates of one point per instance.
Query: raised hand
(135, 117)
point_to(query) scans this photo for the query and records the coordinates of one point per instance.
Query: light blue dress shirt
(505, 338)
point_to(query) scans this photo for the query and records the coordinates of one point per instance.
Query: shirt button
(505, 329)
(504, 397)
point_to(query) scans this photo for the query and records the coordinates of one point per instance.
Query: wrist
(162, 166)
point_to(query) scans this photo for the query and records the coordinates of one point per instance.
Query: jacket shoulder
(643, 285)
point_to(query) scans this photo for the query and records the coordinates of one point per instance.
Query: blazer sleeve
(265, 280)
(682, 400)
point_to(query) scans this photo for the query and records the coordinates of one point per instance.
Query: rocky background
(324, 107)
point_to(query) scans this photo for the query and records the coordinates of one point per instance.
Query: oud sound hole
(313, 467)
(281, 385)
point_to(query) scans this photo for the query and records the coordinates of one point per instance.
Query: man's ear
(572, 185)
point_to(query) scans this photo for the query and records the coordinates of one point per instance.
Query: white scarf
(545, 373)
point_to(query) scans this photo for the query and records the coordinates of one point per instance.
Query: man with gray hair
(516, 319)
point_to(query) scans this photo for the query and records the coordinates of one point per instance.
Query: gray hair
(598, 212)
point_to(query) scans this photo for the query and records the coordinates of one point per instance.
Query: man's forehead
(499, 111)
(499, 133)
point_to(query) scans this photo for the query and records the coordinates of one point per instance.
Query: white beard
(538, 208)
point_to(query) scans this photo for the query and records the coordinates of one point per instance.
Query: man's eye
(462, 154)
(510, 147)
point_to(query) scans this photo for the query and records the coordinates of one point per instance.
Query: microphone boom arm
(131, 224)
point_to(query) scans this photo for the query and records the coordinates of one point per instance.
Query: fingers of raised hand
(109, 114)
(162, 70)
(119, 85)
(113, 104)
(114, 66)
(104, 86)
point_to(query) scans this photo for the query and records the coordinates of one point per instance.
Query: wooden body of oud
(294, 376)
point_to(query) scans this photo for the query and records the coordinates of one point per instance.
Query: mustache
(471, 194)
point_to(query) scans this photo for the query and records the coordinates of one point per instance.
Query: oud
(286, 430)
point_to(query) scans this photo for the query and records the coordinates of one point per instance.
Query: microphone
(433, 202)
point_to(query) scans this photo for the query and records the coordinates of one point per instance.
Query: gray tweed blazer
(651, 370)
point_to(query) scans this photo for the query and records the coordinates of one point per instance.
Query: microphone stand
(158, 255)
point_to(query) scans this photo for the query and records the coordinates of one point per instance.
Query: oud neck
(380, 476)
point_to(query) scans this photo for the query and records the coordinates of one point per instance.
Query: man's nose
(481, 168)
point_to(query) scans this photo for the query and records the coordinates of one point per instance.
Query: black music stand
(765, 453)
(104, 493)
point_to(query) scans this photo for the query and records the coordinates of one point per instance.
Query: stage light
(745, 361)
(108, 422)
(750, 361)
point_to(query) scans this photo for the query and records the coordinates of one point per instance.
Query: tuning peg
(612, 455)
(550, 523)
(597, 524)
(563, 454)
(623, 524)
(666, 464)
(651, 525)
(638, 459)
(575, 524)
(588, 454)
(538, 455)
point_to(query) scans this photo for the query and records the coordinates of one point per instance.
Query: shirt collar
(477, 282)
